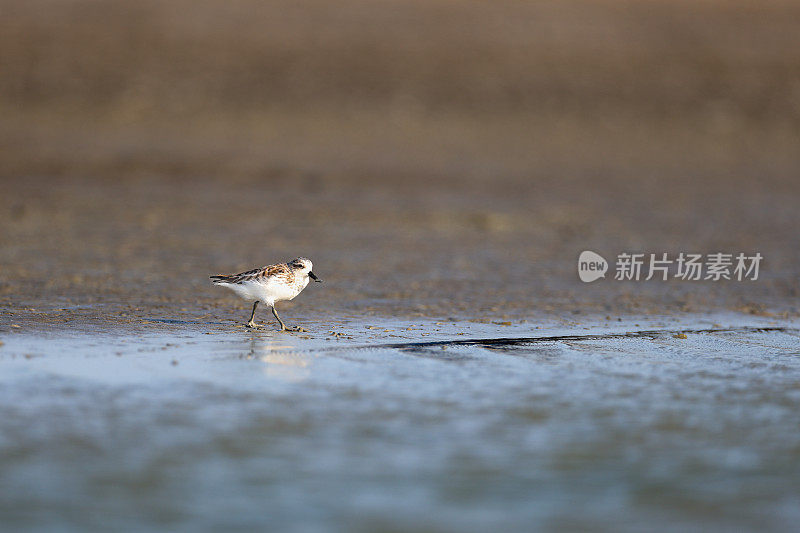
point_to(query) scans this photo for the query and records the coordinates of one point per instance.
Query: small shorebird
(270, 284)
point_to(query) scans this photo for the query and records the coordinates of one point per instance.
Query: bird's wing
(257, 274)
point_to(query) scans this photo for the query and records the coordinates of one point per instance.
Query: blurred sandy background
(437, 158)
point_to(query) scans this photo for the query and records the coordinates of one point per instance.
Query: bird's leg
(284, 327)
(252, 324)
(274, 312)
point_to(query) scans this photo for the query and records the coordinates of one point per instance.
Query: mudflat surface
(433, 159)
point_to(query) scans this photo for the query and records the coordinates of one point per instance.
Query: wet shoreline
(429, 425)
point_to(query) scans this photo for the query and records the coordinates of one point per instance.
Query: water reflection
(259, 430)
(282, 359)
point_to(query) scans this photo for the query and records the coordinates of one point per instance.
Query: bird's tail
(220, 279)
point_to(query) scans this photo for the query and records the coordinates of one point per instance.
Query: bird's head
(302, 267)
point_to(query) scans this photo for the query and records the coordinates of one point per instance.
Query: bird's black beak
(314, 277)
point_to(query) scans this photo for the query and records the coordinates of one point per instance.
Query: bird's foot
(253, 325)
(298, 329)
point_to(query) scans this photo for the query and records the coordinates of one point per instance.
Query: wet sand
(95, 253)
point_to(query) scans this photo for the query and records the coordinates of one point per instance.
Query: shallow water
(255, 430)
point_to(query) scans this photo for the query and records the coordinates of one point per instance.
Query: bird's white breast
(270, 290)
